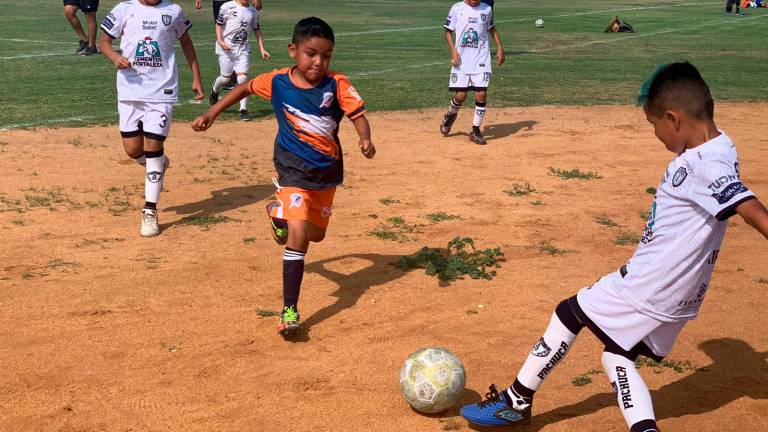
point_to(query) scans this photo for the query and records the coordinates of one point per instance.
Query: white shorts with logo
(621, 322)
(152, 118)
(464, 82)
(232, 61)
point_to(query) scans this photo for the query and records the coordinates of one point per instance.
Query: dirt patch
(104, 330)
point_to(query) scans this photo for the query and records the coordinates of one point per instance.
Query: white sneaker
(149, 227)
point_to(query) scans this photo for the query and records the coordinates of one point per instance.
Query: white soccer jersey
(148, 37)
(236, 21)
(470, 26)
(669, 273)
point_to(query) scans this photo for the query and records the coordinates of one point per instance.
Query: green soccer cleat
(279, 226)
(289, 322)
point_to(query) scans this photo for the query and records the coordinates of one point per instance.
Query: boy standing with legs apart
(642, 307)
(470, 21)
(234, 48)
(309, 102)
(89, 7)
(148, 85)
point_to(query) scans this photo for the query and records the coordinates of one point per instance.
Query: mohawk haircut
(310, 27)
(679, 86)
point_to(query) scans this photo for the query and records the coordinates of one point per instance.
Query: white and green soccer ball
(539, 23)
(432, 379)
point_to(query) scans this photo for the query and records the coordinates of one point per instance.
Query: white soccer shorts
(464, 82)
(233, 62)
(623, 323)
(153, 118)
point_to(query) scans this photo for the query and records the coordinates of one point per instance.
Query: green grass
(627, 238)
(206, 221)
(573, 174)
(545, 246)
(389, 201)
(603, 219)
(677, 366)
(520, 189)
(396, 57)
(460, 258)
(441, 216)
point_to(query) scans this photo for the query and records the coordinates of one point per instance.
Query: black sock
(293, 272)
(150, 205)
(645, 426)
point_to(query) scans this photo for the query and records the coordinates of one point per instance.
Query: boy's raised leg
(631, 392)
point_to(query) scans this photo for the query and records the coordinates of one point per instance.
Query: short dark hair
(677, 85)
(312, 27)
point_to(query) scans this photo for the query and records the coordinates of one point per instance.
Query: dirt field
(106, 331)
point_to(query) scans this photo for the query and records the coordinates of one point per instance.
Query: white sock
(153, 184)
(219, 84)
(477, 120)
(244, 101)
(546, 354)
(631, 392)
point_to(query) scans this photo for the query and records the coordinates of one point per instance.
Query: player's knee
(318, 236)
(569, 319)
(460, 96)
(70, 12)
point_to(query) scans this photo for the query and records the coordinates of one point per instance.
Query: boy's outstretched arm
(206, 120)
(189, 52)
(455, 58)
(105, 46)
(500, 57)
(363, 129)
(755, 214)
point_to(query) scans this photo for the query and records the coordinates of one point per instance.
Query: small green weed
(677, 366)
(537, 203)
(76, 141)
(249, 240)
(441, 216)
(644, 215)
(389, 201)
(573, 174)
(460, 258)
(585, 378)
(396, 229)
(98, 242)
(627, 238)
(519, 189)
(761, 280)
(19, 222)
(171, 348)
(603, 219)
(59, 263)
(206, 221)
(266, 313)
(650, 191)
(545, 246)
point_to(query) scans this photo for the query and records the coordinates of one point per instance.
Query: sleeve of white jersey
(450, 22)
(112, 24)
(182, 24)
(255, 20)
(716, 187)
(489, 21)
(221, 19)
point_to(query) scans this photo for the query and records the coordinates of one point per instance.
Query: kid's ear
(292, 50)
(673, 117)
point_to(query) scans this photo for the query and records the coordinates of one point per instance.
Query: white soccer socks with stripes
(631, 392)
(219, 84)
(477, 120)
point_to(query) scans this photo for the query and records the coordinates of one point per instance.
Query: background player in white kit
(148, 85)
(470, 21)
(233, 47)
(641, 308)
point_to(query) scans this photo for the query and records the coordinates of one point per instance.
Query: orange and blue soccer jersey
(307, 148)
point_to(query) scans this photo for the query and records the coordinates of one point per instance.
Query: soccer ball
(539, 23)
(432, 379)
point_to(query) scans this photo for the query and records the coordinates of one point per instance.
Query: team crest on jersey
(327, 100)
(541, 349)
(679, 176)
(454, 78)
(483, 17)
(470, 39)
(326, 212)
(167, 19)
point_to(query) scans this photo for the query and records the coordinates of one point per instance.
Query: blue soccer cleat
(496, 411)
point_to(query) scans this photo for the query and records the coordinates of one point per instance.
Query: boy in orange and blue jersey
(309, 101)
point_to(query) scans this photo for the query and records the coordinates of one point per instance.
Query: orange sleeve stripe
(349, 100)
(262, 84)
